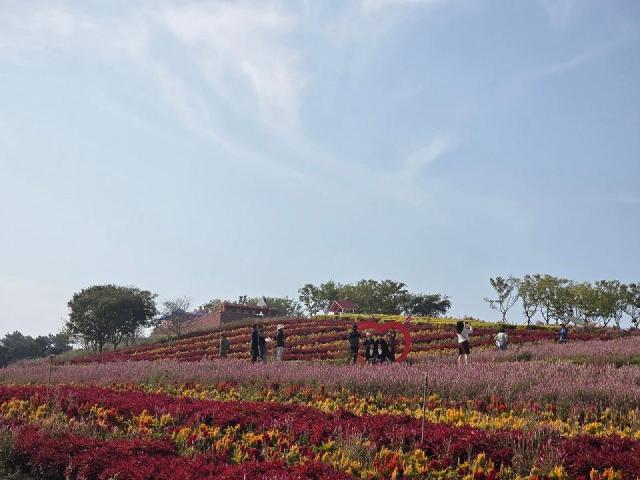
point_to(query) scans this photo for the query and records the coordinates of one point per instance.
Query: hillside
(324, 338)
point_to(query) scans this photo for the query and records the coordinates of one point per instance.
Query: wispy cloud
(424, 156)
(560, 12)
(242, 42)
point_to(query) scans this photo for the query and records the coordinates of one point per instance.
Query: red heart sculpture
(385, 327)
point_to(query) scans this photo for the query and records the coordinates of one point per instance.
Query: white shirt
(463, 336)
(501, 338)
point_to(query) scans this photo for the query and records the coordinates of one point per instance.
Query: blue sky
(213, 149)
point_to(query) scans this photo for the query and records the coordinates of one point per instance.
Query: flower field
(324, 339)
(566, 412)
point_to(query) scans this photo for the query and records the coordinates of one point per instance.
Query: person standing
(224, 345)
(501, 339)
(383, 350)
(279, 342)
(255, 340)
(262, 344)
(391, 341)
(463, 331)
(564, 332)
(354, 343)
(368, 347)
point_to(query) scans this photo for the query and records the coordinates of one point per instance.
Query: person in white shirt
(501, 339)
(463, 330)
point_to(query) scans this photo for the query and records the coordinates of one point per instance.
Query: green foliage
(386, 297)
(507, 291)
(16, 346)
(425, 305)
(109, 313)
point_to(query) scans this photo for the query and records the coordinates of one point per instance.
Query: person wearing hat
(279, 342)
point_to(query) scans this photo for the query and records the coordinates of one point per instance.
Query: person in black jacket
(383, 350)
(354, 343)
(262, 345)
(368, 347)
(279, 342)
(255, 340)
(391, 340)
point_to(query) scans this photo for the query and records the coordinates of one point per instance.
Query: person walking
(501, 339)
(262, 344)
(224, 345)
(255, 340)
(354, 343)
(463, 331)
(279, 342)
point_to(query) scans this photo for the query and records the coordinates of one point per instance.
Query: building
(339, 307)
(223, 314)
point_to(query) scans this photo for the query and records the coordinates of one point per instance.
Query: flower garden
(171, 411)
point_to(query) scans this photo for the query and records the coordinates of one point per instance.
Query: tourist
(354, 343)
(564, 332)
(262, 344)
(501, 339)
(279, 342)
(391, 341)
(463, 330)
(374, 349)
(368, 347)
(224, 345)
(383, 350)
(255, 341)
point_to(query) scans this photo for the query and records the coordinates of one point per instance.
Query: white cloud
(247, 43)
(424, 156)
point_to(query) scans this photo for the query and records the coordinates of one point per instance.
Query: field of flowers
(324, 339)
(538, 411)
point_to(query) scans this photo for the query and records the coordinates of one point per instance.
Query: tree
(329, 292)
(108, 313)
(310, 298)
(507, 295)
(612, 301)
(175, 315)
(586, 302)
(550, 302)
(528, 293)
(632, 303)
(371, 296)
(425, 305)
(211, 304)
(287, 307)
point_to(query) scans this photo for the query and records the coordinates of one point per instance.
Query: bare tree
(176, 315)
(507, 291)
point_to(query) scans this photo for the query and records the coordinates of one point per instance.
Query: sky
(212, 149)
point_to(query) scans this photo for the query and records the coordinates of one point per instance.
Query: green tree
(586, 302)
(528, 293)
(612, 301)
(427, 305)
(632, 303)
(287, 307)
(329, 292)
(108, 313)
(551, 298)
(310, 298)
(506, 295)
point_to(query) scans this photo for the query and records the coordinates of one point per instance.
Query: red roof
(342, 305)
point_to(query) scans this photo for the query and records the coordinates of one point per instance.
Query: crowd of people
(376, 349)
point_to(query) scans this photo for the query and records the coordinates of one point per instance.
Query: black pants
(254, 355)
(353, 355)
